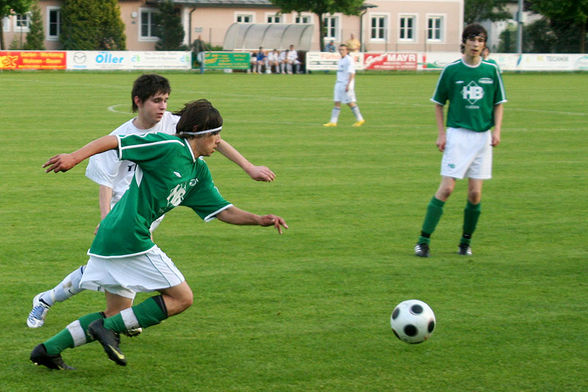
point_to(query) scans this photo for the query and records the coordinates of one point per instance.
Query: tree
(92, 25)
(480, 10)
(170, 30)
(36, 35)
(568, 20)
(320, 8)
(10, 7)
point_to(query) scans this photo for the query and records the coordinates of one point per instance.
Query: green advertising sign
(226, 60)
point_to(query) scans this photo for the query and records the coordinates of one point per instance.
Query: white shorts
(467, 154)
(124, 276)
(344, 96)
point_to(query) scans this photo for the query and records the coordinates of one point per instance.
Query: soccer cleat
(358, 123)
(330, 124)
(421, 250)
(109, 340)
(464, 250)
(37, 315)
(131, 333)
(39, 356)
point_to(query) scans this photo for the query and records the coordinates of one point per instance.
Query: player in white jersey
(345, 89)
(123, 257)
(149, 99)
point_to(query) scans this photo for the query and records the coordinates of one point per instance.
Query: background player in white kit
(149, 99)
(475, 93)
(345, 89)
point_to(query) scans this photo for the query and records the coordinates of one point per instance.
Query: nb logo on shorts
(176, 196)
(472, 92)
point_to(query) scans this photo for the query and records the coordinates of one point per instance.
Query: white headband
(203, 132)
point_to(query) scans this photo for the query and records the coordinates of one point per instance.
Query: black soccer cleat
(421, 250)
(39, 356)
(109, 340)
(464, 250)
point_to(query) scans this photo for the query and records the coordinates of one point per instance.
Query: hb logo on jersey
(177, 195)
(472, 92)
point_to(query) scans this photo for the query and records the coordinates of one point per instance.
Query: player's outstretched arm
(258, 173)
(236, 216)
(64, 162)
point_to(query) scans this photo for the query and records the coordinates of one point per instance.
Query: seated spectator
(330, 47)
(292, 60)
(253, 61)
(273, 59)
(283, 61)
(261, 60)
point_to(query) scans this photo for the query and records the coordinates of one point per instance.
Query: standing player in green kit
(475, 93)
(123, 258)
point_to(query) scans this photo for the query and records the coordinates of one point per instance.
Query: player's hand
(441, 140)
(274, 220)
(261, 173)
(495, 139)
(61, 162)
(96, 229)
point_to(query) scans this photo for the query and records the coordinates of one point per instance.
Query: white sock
(335, 115)
(66, 289)
(356, 113)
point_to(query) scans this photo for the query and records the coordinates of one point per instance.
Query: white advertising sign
(435, 61)
(327, 61)
(128, 60)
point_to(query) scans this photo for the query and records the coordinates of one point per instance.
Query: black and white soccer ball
(413, 321)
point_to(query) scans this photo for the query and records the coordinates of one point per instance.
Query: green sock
(75, 334)
(471, 213)
(147, 313)
(434, 212)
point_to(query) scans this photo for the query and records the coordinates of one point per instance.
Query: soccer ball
(412, 321)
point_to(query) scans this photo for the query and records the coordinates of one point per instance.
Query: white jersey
(345, 68)
(292, 56)
(106, 169)
(272, 56)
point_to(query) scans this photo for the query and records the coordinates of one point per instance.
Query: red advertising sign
(390, 61)
(32, 60)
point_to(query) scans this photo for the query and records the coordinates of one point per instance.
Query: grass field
(309, 310)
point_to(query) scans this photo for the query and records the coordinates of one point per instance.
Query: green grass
(309, 310)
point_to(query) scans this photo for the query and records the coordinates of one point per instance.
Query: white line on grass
(113, 108)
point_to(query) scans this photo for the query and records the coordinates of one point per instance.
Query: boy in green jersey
(123, 258)
(475, 93)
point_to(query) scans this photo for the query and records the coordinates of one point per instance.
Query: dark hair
(147, 86)
(473, 30)
(197, 116)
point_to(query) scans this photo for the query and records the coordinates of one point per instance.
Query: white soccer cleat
(37, 315)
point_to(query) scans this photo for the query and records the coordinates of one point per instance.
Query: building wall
(210, 23)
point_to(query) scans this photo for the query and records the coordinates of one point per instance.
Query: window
(149, 29)
(378, 27)
(331, 24)
(435, 28)
(244, 18)
(22, 23)
(53, 23)
(407, 28)
(301, 18)
(273, 18)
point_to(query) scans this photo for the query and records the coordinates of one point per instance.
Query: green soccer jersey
(472, 92)
(167, 176)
